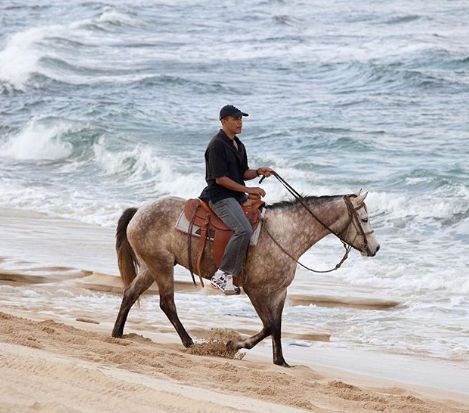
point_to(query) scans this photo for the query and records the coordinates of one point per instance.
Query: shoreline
(156, 363)
(446, 374)
(450, 380)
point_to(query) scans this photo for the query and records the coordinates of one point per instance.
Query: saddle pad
(182, 224)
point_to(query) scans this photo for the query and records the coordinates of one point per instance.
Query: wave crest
(143, 166)
(20, 58)
(40, 139)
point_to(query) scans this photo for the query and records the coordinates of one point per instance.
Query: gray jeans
(230, 212)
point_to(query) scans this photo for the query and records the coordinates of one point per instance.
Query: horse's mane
(310, 199)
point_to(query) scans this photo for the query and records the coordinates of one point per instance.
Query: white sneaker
(224, 282)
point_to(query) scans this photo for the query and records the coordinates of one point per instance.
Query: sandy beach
(50, 366)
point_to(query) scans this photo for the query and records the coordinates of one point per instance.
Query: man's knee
(244, 232)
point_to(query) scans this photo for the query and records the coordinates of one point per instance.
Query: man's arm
(228, 183)
(253, 173)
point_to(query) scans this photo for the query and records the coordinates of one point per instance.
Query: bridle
(353, 220)
(357, 223)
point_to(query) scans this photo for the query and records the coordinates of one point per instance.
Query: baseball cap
(230, 110)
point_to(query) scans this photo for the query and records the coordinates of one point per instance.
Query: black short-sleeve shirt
(222, 159)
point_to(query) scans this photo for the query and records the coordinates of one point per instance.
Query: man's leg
(230, 212)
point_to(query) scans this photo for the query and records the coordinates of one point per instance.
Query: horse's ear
(361, 197)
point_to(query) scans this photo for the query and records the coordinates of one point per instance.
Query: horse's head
(358, 232)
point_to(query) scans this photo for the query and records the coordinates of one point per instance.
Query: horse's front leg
(269, 307)
(259, 302)
(140, 284)
(276, 326)
(249, 342)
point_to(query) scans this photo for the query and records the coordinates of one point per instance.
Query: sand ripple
(52, 367)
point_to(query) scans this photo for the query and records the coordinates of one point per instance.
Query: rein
(353, 220)
(347, 250)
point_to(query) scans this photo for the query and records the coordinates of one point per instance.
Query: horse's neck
(297, 230)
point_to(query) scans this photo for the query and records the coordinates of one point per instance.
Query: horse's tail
(126, 258)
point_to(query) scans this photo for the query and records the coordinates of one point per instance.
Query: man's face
(233, 124)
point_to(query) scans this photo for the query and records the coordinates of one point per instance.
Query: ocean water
(109, 104)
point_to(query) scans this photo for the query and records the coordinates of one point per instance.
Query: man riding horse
(226, 166)
(149, 245)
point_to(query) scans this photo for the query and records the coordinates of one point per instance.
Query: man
(226, 167)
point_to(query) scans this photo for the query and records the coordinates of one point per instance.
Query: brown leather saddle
(197, 212)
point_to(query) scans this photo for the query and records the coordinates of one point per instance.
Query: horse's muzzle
(369, 253)
(375, 251)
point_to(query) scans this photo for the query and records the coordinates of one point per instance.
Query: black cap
(230, 110)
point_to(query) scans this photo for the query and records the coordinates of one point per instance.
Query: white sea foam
(112, 16)
(115, 163)
(20, 57)
(419, 206)
(40, 139)
(24, 50)
(141, 163)
(145, 164)
(416, 180)
(76, 205)
(187, 185)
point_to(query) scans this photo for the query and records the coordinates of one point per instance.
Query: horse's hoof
(117, 334)
(188, 344)
(231, 345)
(281, 363)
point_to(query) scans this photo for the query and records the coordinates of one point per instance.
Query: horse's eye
(365, 220)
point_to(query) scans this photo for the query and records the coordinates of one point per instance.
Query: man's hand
(264, 171)
(256, 191)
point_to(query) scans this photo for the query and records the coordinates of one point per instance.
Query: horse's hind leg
(164, 277)
(141, 283)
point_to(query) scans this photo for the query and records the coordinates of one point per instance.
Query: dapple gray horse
(149, 246)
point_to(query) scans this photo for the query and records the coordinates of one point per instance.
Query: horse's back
(154, 222)
(161, 207)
